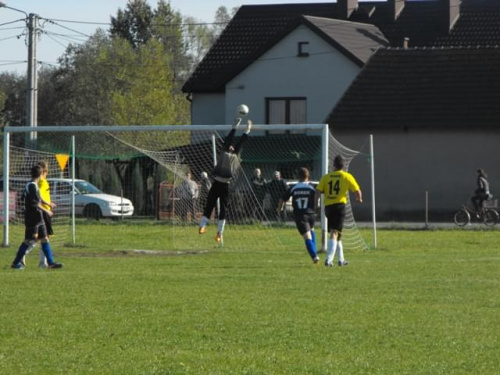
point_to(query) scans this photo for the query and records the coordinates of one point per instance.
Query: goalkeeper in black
(224, 172)
(304, 203)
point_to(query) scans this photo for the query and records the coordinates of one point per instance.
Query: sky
(85, 17)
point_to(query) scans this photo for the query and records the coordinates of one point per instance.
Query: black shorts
(48, 223)
(305, 222)
(335, 213)
(35, 233)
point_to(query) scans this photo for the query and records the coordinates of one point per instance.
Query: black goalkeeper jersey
(32, 211)
(303, 201)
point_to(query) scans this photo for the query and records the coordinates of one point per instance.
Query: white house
(298, 78)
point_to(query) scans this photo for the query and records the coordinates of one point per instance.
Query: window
(286, 110)
(302, 49)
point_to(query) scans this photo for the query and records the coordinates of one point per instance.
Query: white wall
(322, 77)
(208, 109)
(411, 161)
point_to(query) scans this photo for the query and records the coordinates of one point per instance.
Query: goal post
(147, 165)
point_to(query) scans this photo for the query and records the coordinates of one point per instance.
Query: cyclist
(482, 192)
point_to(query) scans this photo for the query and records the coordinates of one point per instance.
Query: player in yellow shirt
(336, 186)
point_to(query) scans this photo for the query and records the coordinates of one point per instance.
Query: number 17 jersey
(336, 185)
(303, 201)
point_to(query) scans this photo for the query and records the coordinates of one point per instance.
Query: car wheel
(92, 211)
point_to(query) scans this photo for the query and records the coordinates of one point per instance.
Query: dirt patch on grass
(129, 253)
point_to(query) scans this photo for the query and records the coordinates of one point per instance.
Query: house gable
(319, 77)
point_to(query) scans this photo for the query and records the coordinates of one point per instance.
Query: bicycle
(488, 216)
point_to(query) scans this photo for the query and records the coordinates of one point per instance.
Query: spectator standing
(259, 190)
(188, 194)
(276, 187)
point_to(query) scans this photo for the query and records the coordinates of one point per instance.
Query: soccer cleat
(55, 265)
(219, 240)
(316, 260)
(343, 263)
(328, 264)
(18, 266)
(23, 261)
(42, 265)
(202, 230)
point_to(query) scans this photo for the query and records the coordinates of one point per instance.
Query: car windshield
(85, 187)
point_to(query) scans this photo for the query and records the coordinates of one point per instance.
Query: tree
(200, 37)
(134, 23)
(138, 24)
(78, 92)
(142, 88)
(12, 99)
(222, 18)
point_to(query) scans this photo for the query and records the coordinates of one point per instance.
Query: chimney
(451, 13)
(345, 8)
(394, 8)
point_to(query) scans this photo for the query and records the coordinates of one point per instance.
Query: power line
(14, 62)
(64, 27)
(154, 25)
(13, 37)
(11, 22)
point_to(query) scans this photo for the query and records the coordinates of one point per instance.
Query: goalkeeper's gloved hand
(249, 126)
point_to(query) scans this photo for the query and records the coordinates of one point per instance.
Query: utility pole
(32, 74)
(32, 80)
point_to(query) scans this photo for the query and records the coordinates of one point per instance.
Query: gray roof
(358, 41)
(424, 87)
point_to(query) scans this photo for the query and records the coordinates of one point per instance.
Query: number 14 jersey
(335, 185)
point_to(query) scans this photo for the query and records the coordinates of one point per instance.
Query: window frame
(287, 100)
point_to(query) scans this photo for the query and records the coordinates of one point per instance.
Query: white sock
(220, 226)
(203, 221)
(332, 244)
(30, 247)
(340, 250)
(43, 260)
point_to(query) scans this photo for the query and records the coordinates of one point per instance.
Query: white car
(89, 200)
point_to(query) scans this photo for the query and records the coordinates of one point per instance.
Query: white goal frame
(322, 129)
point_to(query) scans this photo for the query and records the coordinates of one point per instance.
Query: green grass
(425, 302)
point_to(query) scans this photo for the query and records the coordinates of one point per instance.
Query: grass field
(425, 302)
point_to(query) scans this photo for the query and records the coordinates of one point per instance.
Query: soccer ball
(242, 110)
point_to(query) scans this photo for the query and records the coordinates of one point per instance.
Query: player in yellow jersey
(336, 186)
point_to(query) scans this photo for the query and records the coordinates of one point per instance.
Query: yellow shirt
(44, 187)
(336, 185)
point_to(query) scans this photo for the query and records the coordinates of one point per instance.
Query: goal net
(135, 179)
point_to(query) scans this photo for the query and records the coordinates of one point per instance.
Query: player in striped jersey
(303, 202)
(336, 186)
